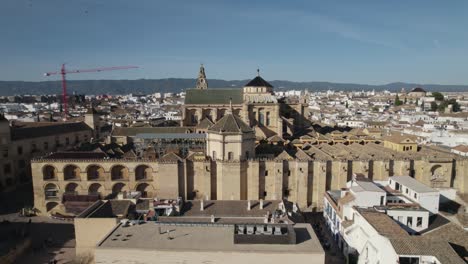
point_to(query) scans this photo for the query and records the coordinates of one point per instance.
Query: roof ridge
(236, 121)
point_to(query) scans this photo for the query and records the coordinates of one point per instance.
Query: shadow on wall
(42, 236)
(302, 235)
(13, 201)
(447, 205)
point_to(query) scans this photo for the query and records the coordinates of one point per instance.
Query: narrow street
(333, 255)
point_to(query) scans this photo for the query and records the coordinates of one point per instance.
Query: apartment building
(401, 199)
(22, 141)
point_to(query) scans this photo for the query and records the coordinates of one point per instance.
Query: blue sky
(372, 41)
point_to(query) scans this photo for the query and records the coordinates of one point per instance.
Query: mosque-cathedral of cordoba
(237, 144)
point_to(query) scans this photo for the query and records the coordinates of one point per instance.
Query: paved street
(51, 238)
(333, 254)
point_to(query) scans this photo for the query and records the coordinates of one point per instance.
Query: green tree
(398, 101)
(455, 105)
(442, 106)
(438, 96)
(433, 106)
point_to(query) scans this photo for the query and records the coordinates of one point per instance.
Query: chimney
(212, 219)
(261, 204)
(265, 219)
(202, 206)
(248, 205)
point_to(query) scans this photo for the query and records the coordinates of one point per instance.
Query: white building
(374, 237)
(403, 202)
(461, 150)
(416, 191)
(172, 115)
(352, 123)
(338, 205)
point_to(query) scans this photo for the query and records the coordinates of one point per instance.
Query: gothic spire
(202, 83)
(229, 111)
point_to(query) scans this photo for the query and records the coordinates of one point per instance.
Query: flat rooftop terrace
(203, 237)
(229, 208)
(413, 184)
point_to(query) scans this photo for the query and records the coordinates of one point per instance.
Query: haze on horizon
(367, 42)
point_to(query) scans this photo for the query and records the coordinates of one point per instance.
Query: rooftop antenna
(258, 72)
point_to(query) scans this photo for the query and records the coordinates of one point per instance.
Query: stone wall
(300, 181)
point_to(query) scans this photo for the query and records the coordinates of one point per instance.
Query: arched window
(117, 188)
(71, 172)
(119, 172)
(142, 173)
(193, 118)
(49, 173)
(436, 169)
(51, 191)
(145, 190)
(95, 172)
(95, 189)
(71, 188)
(261, 117)
(222, 112)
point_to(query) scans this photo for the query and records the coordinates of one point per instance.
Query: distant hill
(144, 86)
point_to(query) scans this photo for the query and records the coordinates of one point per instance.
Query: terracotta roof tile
(461, 148)
(44, 129)
(426, 247)
(383, 224)
(230, 123)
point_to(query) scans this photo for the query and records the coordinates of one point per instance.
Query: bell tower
(92, 120)
(202, 83)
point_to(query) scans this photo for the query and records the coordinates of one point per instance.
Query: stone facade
(255, 104)
(401, 142)
(18, 144)
(300, 178)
